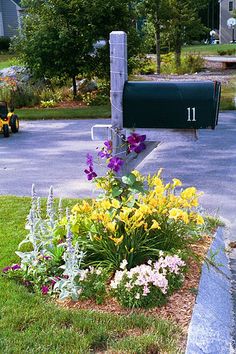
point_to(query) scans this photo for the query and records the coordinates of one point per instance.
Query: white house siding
(9, 16)
(225, 14)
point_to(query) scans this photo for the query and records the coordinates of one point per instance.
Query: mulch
(179, 307)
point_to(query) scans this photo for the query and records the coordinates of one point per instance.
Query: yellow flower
(176, 182)
(115, 203)
(188, 193)
(125, 214)
(97, 238)
(117, 241)
(111, 226)
(105, 204)
(200, 220)
(155, 225)
(178, 214)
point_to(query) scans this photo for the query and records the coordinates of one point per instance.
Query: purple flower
(44, 290)
(90, 173)
(136, 142)
(106, 150)
(89, 160)
(115, 164)
(16, 267)
(6, 269)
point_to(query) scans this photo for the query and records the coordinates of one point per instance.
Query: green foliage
(142, 65)
(59, 330)
(25, 95)
(47, 104)
(93, 284)
(230, 51)
(135, 219)
(58, 37)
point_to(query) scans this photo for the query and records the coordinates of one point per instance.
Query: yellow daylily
(176, 182)
(155, 225)
(116, 240)
(115, 203)
(111, 226)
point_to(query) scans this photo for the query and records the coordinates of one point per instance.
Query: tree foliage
(58, 36)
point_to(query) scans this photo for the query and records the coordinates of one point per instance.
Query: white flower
(123, 264)
(137, 296)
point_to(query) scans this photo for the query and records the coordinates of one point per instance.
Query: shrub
(148, 285)
(142, 65)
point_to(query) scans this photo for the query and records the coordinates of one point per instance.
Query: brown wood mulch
(179, 307)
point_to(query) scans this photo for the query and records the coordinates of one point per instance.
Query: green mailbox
(171, 104)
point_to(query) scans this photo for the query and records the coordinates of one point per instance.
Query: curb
(212, 318)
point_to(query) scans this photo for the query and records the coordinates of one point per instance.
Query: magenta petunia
(44, 290)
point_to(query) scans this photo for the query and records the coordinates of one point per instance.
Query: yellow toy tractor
(8, 119)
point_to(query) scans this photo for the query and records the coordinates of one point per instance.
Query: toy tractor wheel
(14, 123)
(6, 131)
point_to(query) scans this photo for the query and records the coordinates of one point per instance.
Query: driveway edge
(211, 324)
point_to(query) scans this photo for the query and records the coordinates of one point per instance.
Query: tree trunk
(74, 87)
(178, 46)
(158, 49)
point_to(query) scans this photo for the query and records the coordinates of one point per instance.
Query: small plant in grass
(48, 104)
(93, 282)
(148, 285)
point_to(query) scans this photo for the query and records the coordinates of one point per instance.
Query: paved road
(54, 152)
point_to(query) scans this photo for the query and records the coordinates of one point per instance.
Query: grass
(227, 96)
(64, 113)
(30, 324)
(208, 49)
(7, 60)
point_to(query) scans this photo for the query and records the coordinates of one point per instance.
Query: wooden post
(118, 75)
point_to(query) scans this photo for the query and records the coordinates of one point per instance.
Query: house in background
(226, 11)
(10, 17)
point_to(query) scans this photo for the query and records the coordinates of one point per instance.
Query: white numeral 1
(193, 114)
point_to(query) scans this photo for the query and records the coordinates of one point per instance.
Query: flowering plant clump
(148, 285)
(93, 282)
(135, 143)
(150, 216)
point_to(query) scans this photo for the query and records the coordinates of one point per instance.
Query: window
(231, 5)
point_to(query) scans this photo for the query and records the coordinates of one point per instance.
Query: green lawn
(30, 324)
(207, 49)
(7, 60)
(64, 113)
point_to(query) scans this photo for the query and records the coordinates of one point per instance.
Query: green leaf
(116, 191)
(129, 179)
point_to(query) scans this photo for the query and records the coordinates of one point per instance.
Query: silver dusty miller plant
(73, 256)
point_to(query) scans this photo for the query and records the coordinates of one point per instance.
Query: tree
(157, 12)
(184, 24)
(57, 36)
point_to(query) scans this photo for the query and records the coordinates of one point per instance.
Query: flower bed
(133, 242)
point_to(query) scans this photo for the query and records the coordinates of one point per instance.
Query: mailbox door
(174, 105)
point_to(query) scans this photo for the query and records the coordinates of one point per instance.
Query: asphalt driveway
(54, 153)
